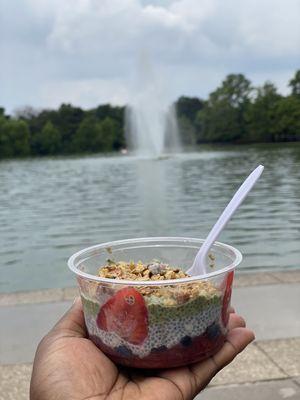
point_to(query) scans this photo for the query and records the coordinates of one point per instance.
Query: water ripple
(50, 208)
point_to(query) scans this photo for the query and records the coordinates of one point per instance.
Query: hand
(68, 366)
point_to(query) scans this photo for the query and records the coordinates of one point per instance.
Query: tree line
(236, 112)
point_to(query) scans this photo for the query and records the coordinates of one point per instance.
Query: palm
(68, 365)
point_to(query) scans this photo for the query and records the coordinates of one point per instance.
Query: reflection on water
(50, 208)
(151, 185)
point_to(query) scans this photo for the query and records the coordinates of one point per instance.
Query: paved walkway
(268, 369)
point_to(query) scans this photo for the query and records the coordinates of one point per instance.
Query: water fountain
(151, 125)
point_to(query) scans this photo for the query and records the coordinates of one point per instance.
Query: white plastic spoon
(199, 266)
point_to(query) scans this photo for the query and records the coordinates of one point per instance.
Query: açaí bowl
(175, 335)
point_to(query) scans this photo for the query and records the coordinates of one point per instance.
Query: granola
(139, 271)
(169, 295)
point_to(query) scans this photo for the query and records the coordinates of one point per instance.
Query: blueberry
(158, 349)
(186, 341)
(123, 351)
(213, 331)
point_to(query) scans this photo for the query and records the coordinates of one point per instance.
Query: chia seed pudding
(151, 326)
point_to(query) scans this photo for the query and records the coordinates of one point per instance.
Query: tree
(261, 114)
(95, 136)
(83, 140)
(14, 138)
(186, 111)
(116, 114)
(48, 140)
(295, 84)
(223, 116)
(188, 107)
(67, 120)
(109, 129)
(220, 123)
(235, 90)
(233, 113)
(187, 129)
(6, 149)
(106, 110)
(287, 122)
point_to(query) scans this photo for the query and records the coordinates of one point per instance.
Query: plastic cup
(154, 333)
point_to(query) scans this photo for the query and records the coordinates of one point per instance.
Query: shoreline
(241, 279)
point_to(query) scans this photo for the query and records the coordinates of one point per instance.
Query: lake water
(50, 208)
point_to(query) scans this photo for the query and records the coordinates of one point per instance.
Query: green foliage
(187, 109)
(235, 91)
(188, 131)
(235, 113)
(48, 140)
(220, 123)
(109, 129)
(223, 117)
(295, 84)
(64, 131)
(94, 136)
(260, 115)
(106, 110)
(287, 120)
(67, 120)
(116, 114)
(14, 138)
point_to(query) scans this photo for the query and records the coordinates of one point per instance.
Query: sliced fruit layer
(126, 315)
(226, 298)
(189, 350)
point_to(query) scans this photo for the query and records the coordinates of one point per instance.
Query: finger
(231, 310)
(72, 323)
(237, 340)
(236, 321)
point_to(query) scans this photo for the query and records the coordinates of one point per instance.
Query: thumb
(72, 323)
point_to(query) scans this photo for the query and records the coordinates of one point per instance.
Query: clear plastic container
(156, 324)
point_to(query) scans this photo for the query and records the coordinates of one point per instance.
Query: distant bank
(236, 112)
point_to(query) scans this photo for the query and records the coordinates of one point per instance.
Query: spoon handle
(199, 265)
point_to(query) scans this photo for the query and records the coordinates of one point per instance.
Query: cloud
(89, 92)
(266, 28)
(55, 50)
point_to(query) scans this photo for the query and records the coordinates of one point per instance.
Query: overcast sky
(86, 51)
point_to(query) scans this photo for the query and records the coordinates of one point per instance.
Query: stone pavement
(268, 369)
(273, 390)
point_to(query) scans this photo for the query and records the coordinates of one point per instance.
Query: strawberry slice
(125, 314)
(226, 298)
